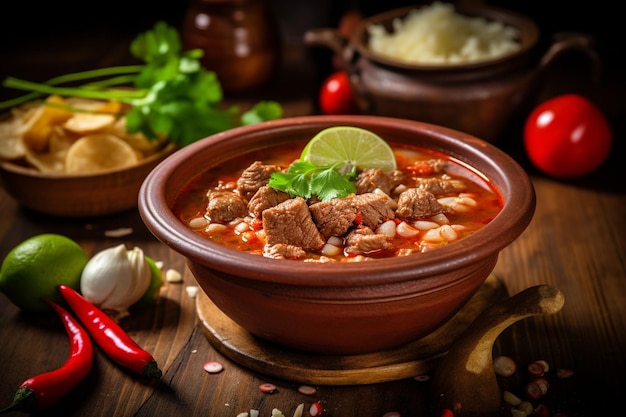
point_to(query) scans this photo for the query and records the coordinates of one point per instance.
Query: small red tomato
(336, 95)
(567, 136)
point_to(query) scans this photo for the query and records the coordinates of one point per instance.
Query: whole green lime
(34, 269)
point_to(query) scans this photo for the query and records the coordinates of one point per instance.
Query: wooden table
(575, 242)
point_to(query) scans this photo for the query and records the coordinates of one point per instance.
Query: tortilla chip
(99, 152)
(11, 145)
(37, 129)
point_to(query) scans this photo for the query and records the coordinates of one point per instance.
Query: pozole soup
(430, 200)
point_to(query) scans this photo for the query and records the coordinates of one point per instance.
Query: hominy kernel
(455, 204)
(388, 228)
(504, 366)
(432, 235)
(192, 290)
(249, 236)
(511, 398)
(215, 228)
(518, 413)
(242, 227)
(299, 410)
(307, 390)
(425, 225)
(277, 413)
(448, 233)
(526, 407)
(404, 230)
(334, 240)
(198, 223)
(400, 189)
(440, 219)
(172, 275)
(121, 232)
(213, 367)
(330, 250)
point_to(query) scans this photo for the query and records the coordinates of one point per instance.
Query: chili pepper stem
(44, 390)
(24, 400)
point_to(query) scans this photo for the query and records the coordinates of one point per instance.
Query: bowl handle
(573, 41)
(347, 56)
(328, 37)
(466, 377)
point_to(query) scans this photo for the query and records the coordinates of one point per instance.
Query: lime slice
(347, 147)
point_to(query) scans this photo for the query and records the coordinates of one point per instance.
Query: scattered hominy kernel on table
(173, 276)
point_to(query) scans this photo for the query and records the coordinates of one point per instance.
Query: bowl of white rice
(469, 68)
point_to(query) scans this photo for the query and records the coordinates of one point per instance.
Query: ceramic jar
(240, 40)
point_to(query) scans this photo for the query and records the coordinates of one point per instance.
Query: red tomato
(336, 95)
(567, 136)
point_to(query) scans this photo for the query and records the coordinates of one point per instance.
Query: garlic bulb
(115, 278)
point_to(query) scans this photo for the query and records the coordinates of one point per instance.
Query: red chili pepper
(111, 338)
(44, 390)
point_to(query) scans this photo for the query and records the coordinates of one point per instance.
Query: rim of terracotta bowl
(527, 29)
(161, 186)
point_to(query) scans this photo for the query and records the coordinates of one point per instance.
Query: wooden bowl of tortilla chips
(74, 157)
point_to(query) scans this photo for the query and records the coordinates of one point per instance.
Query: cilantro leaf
(264, 110)
(304, 179)
(173, 95)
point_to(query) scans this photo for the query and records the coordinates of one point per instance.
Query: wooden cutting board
(413, 359)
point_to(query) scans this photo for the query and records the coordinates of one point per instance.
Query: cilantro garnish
(304, 179)
(172, 94)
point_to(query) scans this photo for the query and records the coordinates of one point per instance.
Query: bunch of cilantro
(172, 94)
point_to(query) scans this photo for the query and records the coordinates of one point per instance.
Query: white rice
(437, 34)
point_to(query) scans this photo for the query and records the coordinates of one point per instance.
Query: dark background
(42, 39)
(29, 26)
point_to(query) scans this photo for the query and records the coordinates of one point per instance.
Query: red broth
(466, 211)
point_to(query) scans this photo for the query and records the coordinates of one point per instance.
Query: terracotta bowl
(73, 196)
(338, 308)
